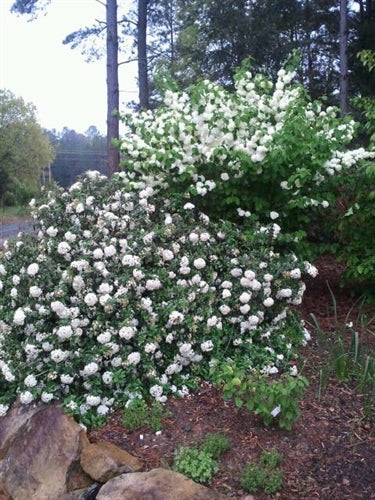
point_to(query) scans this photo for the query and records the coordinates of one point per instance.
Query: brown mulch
(330, 452)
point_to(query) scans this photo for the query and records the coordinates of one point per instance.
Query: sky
(35, 65)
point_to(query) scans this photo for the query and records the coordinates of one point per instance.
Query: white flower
(26, 397)
(104, 337)
(63, 248)
(226, 293)
(156, 391)
(110, 251)
(16, 280)
(224, 309)
(249, 274)
(134, 358)
(153, 284)
(131, 260)
(35, 291)
(90, 369)
(33, 269)
(102, 410)
(224, 176)
(98, 253)
(284, 293)
(127, 332)
(66, 379)
(274, 215)
(226, 284)
(90, 299)
(188, 206)
(69, 236)
(150, 347)
(19, 317)
(236, 272)
(92, 400)
(80, 208)
(193, 237)
(245, 297)
(30, 381)
(295, 273)
(245, 309)
(207, 346)
(268, 302)
(167, 255)
(46, 397)
(310, 269)
(52, 231)
(293, 371)
(60, 309)
(107, 377)
(57, 355)
(199, 263)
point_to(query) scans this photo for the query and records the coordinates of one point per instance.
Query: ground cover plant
(124, 294)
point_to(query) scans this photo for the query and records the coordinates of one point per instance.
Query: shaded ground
(330, 452)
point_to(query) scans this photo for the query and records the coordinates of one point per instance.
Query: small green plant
(274, 400)
(264, 475)
(215, 444)
(197, 464)
(138, 414)
(270, 459)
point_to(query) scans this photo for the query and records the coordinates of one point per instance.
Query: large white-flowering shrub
(123, 294)
(263, 148)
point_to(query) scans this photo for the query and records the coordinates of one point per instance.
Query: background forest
(189, 41)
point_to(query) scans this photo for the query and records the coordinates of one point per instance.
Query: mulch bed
(330, 452)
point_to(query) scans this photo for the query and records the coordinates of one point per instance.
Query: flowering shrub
(125, 294)
(263, 150)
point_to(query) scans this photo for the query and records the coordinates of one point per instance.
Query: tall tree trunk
(142, 55)
(112, 87)
(343, 57)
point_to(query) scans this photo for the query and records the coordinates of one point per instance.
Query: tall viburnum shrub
(262, 149)
(125, 294)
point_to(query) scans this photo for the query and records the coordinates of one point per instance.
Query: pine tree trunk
(343, 57)
(112, 87)
(142, 55)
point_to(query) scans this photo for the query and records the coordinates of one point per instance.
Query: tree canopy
(24, 148)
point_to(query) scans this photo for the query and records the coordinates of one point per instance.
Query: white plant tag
(275, 411)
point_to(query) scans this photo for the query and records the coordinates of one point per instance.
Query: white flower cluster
(103, 304)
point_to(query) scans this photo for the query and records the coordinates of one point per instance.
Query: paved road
(11, 230)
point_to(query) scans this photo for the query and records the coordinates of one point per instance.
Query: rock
(103, 461)
(41, 458)
(158, 484)
(13, 423)
(46, 455)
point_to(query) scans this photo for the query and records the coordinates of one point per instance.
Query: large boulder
(41, 457)
(158, 484)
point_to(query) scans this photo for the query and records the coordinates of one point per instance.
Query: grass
(349, 353)
(8, 214)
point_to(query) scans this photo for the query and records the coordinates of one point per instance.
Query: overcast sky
(35, 65)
